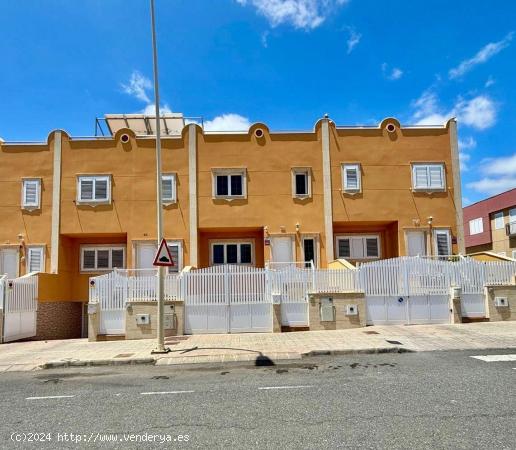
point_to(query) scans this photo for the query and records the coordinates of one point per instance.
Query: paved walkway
(222, 348)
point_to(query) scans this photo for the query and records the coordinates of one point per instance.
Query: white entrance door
(145, 253)
(282, 249)
(9, 262)
(416, 243)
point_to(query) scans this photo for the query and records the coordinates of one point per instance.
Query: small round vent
(391, 128)
(259, 133)
(124, 138)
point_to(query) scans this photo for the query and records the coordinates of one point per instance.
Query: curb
(365, 351)
(97, 362)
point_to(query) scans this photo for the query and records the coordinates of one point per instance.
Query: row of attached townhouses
(77, 207)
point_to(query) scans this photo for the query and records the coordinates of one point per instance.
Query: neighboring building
(77, 207)
(490, 225)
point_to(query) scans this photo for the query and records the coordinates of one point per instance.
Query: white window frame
(179, 245)
(94, 178)
(37, 203)
(28, 257)
(173, 199)
(236, 242)
(499, 221)
(315, 238)
(307, 171)
(448, 236)
(96, 248)
(340, 237)
(428, 166)
(344, 170)
(476, 226)
(228, 173)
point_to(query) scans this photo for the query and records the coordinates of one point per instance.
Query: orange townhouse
(73, 207)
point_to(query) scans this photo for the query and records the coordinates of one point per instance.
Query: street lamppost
(160, 347)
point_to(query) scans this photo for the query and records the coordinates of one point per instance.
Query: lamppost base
(160, 351)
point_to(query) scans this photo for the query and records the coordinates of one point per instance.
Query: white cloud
(482, 56)
(228, 122)
(493, 186)
(394, 74)
(467, 143)
(353, 40)
(505, 165)
(490, 81)
(464, 159)
(498, 175)
(303, 14)
(150, 110)
(265, 39)
(138, 86)
(478, 112)
(466, 201)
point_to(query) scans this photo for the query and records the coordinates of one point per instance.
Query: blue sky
(283, 62)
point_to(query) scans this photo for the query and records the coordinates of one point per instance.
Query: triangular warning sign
(163, 256)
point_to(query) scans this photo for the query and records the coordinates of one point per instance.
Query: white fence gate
(226, 299)
(18, 299)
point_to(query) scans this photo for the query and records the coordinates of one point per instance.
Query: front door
(145, 253)
(416, 243)
(282, 249)
(9, 262)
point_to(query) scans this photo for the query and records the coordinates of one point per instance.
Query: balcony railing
(510, 229)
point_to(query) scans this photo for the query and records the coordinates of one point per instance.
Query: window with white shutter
(358, 246)
(31, 193)
(102, 257)
(35, 259)
(442, 240)
(94, 189)
(476, 226)
(351, 178)
(168, 188)
(499, 220)
(428, 177)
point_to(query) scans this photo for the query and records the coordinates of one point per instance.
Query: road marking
(495, 358)
(267, 388)
(166, 392)
(49, 396)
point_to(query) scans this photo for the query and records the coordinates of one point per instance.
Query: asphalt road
(421, 400)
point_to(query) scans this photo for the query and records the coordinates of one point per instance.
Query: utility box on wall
(327, 310)
(501, 302)
(142, 319)
(351, 310)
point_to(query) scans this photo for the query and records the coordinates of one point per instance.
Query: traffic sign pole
(160, 344)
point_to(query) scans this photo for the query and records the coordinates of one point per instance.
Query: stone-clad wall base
(501, 313)
(340, 301)
(59, 320)
(135, 331)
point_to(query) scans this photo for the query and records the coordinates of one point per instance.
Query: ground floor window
(442, 240)
(309, 250)
(358, 246)
(35, 259)
(102, 257)
(228, 252)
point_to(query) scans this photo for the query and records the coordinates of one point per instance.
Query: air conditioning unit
(351, 310)
(501, 302)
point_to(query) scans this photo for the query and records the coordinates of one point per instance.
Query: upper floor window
(229, 183)
(476, 226)
(35, 259)
(498, 220)
(428, 177)
(101, 257)
(168, 188)
(94, 189)
(31, 193)
(358, 247)
(351, 178)
(301, 182)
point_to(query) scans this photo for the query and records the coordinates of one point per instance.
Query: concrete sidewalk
(224, 348)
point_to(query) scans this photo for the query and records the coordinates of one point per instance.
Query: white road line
(267, 388)
(49, 396)
(166, 392)
(495, 358)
